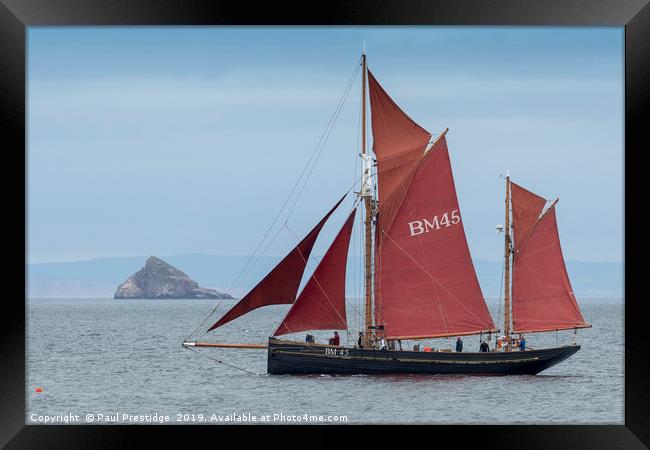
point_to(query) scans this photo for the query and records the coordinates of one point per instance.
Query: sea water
(121, 361)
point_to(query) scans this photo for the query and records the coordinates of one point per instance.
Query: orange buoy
(39, 389)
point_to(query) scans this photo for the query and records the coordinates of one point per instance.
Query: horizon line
(97, 258)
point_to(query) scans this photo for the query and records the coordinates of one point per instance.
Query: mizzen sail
(526, 213)
(281, 285)
(321, 304)
(542, 296)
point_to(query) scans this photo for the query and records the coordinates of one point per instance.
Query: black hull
(285, 357)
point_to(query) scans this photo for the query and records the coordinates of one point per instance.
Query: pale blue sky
(167, 140)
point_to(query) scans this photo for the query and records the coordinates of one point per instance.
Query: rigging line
(359, 271)
(444, 322)
(354, 205)
(325, 137)
(501, 288)
(255, 257)
(221, 362)
(214, 310)
(259, 256)
(528, 269)
(240, 277)
(378, 296)
(321, 287)
(431, 276)
(356, 235)
(285, 202)
(354, 307)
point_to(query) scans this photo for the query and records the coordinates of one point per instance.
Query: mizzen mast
(366, 193)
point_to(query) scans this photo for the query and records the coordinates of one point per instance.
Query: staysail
(321, 304)
(425, 283)
(281, 285)
(542, 296)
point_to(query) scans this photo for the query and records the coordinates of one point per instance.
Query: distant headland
(159, 280)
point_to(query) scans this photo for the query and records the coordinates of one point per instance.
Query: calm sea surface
(112, 358)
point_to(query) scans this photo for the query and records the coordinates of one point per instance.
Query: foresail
(542, 296)
(281, 285)
(425, 282)
(321, 304)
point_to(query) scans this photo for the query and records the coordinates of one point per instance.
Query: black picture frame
(16, 15)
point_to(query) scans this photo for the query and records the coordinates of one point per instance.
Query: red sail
(425, 283)
(281, 284)
(398, 143)
(321, 304)
(542, 297)
(526, 208)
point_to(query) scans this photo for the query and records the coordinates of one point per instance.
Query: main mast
(507, 252)
(366, 193)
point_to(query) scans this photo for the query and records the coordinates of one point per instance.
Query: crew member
(484, 347)
(459, 344)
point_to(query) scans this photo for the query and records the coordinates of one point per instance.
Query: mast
(507, 252)
(366, 193)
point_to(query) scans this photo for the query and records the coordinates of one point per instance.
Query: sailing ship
(419, 281)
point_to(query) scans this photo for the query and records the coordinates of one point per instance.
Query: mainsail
(281, 285)
(542, 297)
(425, 282)
(321, 304)
(398, 143)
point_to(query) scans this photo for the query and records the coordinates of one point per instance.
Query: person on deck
(484, 347)
(309, 338)
(360, 341)
(459, 344)
(514, 342)
(522, 344)
(335, 340)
